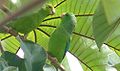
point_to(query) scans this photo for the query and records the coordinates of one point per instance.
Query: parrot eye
(67, 14)
(49, 6)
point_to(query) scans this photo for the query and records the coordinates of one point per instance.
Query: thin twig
(55, 62)
(5, 10)
(22, 11)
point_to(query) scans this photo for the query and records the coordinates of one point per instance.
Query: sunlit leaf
(87, 53)
(10, 44)
(105, 20)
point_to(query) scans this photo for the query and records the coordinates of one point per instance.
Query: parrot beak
(52, 11)
(63, 15)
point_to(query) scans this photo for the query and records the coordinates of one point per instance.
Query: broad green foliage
(14, 60)
(59, 42)
(35, 56)
(97, 21)
(86, 51)
(10, 45)
(105, 20)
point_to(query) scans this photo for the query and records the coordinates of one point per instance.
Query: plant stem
(55, 62)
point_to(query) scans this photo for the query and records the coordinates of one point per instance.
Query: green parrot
(26, 23)
(59, 42)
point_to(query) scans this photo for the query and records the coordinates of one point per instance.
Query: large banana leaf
(105, 20)
(83, 43)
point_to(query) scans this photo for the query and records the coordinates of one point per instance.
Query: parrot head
(49, 9)
(68, 21)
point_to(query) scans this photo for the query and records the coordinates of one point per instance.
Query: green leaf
(10, 43)
(117, 66)
(113, 41)
(14, 60)
(35, 56)
(11, 68)
(85, 9)
(3, 64)
(87, 53)
(105, 20)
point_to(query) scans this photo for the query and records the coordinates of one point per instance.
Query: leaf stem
(43, 32)
(60, 3)
(76, 15)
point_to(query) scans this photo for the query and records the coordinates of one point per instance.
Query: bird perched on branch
(59, 42)
(28, 22)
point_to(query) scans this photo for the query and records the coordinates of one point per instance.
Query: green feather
(60, 39)
(29, 22)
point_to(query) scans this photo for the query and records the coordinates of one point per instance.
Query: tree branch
(55, 62)
(22, 11)
(5, 10)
